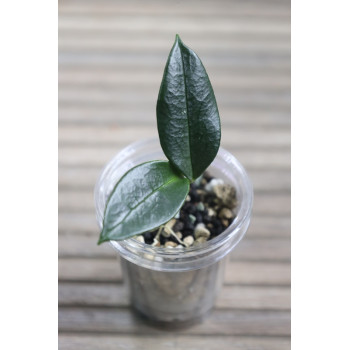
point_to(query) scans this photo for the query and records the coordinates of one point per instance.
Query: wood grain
(87, 156)
(106, 116)
(219, 322)
(111, 60)
(75, 178)
(250, 138)
(170, 342)
(230, 297)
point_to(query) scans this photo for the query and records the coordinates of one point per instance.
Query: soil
(209, 209)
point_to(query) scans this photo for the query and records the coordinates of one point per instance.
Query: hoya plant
(152, 193)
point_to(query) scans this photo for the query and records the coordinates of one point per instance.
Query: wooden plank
(113, 78)
(77, 223)
(89, 270)
(239, 273)
(257, 273)
(170, 24)
(268, 226)
(254, 298)
(232, 137)
(219, 322)
(124, 96)
(230, 297)
(266, 249)
(264, 203)
(232, 77)
(74, 41)
(278, 159)
(266, 9)
(148, 59)
(118, 73)
(75, 178)
(169, 342)
(108, 116)
(261, 225)
(70, 246)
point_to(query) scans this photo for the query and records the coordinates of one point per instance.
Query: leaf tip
(102, 238)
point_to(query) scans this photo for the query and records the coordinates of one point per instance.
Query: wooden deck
(111, 58)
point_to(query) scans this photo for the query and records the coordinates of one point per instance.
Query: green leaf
(146, 197)
(187, 115)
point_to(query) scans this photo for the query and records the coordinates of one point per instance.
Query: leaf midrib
(187, 117)
(144, 200)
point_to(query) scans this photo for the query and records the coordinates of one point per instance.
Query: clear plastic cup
(175, 284)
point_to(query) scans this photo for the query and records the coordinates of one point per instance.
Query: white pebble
(178, 234)
(211, 212)
(149, 256)
(226, 194)
(200, 240)
(214, 182)
(201, 231)
(188, 241)
(155, 243)
(170, 244)
(225, 213)
(140, 238)
(166, 231)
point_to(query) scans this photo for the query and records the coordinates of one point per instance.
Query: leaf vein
(143, 200)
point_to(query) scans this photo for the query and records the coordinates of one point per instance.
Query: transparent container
(171, 284)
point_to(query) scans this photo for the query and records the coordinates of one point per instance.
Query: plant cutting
(197, 201)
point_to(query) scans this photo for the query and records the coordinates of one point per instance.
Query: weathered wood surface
(111, 59)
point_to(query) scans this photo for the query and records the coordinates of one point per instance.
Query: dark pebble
(206, 219)
(189, 225)
(184, 224)
(173, 239)
(199, 217)
(179, 225)
(148, 236)
(162, 239)
(186, 232)
(190, 208)
(195, 197)
(208, 177)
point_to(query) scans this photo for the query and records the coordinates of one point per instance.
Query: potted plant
(174, 210)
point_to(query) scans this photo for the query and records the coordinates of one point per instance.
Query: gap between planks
(78, 341)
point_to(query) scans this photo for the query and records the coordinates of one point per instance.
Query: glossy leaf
(187, 114)
(146, 197)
